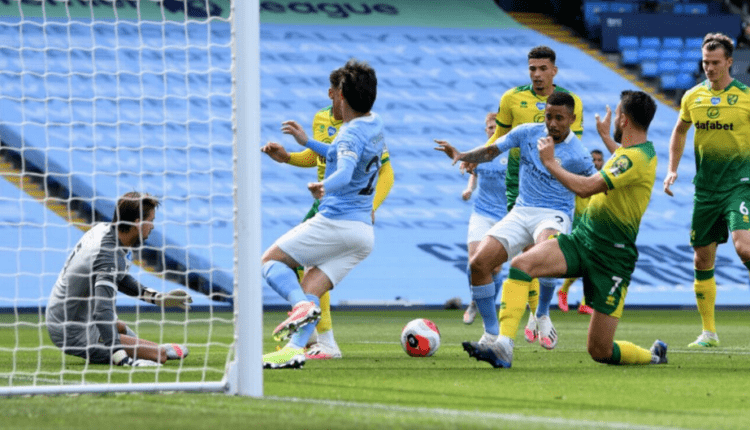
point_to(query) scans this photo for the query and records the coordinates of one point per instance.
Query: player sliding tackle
(543, 208)
(340, 236)
(602, 248)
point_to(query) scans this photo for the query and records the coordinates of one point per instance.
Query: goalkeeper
(80, 315)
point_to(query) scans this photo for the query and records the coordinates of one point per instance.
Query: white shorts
(479, 225)
(521, 226)
(333, 246)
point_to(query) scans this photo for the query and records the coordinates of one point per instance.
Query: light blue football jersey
(361, 140)
(537, 187)
(490, 199)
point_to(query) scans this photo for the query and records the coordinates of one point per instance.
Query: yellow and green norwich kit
(722, 134)
(521, 105)
(325, 127)
(612, 218)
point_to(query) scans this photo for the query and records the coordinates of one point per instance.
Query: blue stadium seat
(650, 42)
(686, 81)
(591, 19)
(670, 54)
(668, 82)
(630, 57)
(693, 54)
(668, 66)
(690, 8)
(673, 43)
(627, 42)
(693, 42)
(691, 66)
(622, 7)
(649, 69)
(648, 54)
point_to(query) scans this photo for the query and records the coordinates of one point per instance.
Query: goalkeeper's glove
(121, 358)
(172, 299)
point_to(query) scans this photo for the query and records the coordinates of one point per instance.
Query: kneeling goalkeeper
(80, 315)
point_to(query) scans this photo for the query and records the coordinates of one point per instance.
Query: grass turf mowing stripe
(477, 415)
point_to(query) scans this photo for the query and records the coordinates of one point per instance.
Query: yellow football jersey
(325, 127)
(612, 218)
(722, 134)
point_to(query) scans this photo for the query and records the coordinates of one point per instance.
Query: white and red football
(420, 338)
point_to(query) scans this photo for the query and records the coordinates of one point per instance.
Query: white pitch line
(514, 418)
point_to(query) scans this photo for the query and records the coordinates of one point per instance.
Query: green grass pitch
(377, 385)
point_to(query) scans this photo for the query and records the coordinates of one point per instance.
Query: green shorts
(716, 213)
(313, 210)
(605, 271)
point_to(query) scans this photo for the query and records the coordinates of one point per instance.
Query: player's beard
(618, 134)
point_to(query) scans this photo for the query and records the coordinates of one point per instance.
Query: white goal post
(102, 97)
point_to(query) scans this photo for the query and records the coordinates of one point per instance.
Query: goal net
(99, 98)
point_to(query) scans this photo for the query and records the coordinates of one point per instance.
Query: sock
(705, 297)
(566, 285)
(514, 297)
(498, 280)
(534, 295)
(631, 353)
(325, 323)
(300, 337)
(326, 337)
(283, 280)
(484, 296)
(546, 292)
(583, 301)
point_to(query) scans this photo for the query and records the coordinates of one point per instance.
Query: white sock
(327, 338)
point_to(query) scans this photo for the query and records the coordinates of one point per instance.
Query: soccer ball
(420, 338)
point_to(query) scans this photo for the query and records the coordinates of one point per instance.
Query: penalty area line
(476, 415)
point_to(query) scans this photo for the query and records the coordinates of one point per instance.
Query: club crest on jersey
(331, 130)
(712, 113)
(732, 99)
(540, 105)
(524, 104)
(539, 117)
(715, 100)
(621, 165)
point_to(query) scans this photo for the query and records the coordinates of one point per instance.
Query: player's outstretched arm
(481, 154)
(602, 127)
(276, 151)
(295, 130)
(676, 148)
(175, 298)
(583, 186)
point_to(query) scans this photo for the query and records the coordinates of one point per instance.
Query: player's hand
(546, 147)
(174, 299)
(466, 167)
(317, 189)
(466, 195)
(603, 126)
(276, 151)
(449, 150)
(668, 181)
(295, 130)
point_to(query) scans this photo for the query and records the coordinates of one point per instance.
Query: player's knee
(523, 264)
(480, 265)
(743, 251)
(600, 353)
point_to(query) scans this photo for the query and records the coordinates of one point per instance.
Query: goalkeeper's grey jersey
(85, 290)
